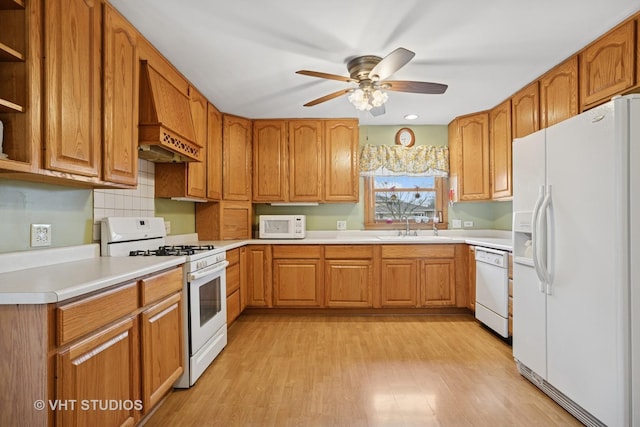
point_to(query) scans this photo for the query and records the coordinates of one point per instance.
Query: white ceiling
(243, 54)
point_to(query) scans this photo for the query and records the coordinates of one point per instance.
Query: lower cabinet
(437, 283)
(349, 273)
(259, 276)
(96, 371)
(298, 276)
(112, 372)
(399, 282)
(236, 283)
(472, 278)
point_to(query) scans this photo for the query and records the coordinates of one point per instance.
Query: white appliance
(492, 289)
(204, 291)
(576, 290)
(282, 226)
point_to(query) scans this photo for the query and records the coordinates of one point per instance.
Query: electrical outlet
(341, 225)
(468, 223)
(167, 227)
(456, 223)
(40, 235)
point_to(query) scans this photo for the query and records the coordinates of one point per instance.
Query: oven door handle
(209, 271)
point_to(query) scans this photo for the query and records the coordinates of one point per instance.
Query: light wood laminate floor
(316, 370)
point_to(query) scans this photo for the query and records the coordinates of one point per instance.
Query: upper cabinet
(120, 99)
(525, 106)
(500, 150)
(608, 66)
(236, 148)
(559, 93)
(305, 160)
(72, 86)
(341, 160)
(214, 153)
(470, 158)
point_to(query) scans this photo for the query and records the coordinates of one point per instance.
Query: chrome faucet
(406, 230)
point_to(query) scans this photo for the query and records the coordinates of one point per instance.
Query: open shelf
(10, 107)
(9, 55)
(11, 4)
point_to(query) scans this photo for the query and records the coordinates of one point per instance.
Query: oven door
(207, 304)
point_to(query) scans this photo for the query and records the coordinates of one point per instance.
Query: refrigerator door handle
(543, 219)
(535, 236)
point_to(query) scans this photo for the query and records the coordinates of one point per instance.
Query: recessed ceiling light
(411, 116)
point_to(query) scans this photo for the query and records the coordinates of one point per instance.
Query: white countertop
(54, 275)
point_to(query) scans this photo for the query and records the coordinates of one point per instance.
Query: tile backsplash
(135, 203)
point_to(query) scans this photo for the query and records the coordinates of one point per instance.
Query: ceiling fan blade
(325, 76)
(327, 97)
(415, 87)
(391, 63)
(378, 111)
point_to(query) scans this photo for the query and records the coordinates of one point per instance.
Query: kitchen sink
(418, 238)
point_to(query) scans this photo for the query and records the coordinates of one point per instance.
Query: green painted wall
(182, 215)
(69, 210)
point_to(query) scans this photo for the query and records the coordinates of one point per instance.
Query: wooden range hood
(165, 127)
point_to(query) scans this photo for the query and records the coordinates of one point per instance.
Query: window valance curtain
(390, 160)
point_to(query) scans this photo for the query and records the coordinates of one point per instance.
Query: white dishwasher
(492, 289)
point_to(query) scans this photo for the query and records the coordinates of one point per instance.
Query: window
(390, 198)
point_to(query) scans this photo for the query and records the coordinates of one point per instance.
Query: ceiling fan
(370, 72)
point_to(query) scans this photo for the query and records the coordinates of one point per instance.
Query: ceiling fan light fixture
(366, 99)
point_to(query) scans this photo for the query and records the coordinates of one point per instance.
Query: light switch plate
(40, 235)
(456, 223)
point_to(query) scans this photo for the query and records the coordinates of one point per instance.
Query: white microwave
(282, 226)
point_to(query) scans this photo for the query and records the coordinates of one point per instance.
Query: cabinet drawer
(84, 316)
(233, 278)
(418, 251)
(155, 287)
(233, 256)
(297, 251)
(348, 252)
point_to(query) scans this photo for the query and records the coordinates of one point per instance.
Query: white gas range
(204, 293)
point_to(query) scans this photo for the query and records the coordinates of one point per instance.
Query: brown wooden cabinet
(341, 140)
(236, 146)
(437, 282)
(224, 220)
(472, 278)
(525, 105)
(72, 86)
(270, 161)
(101, 368)
(500, 151)
(305, 160)
(20, 70)
(469, 136)
(349, 276)
(399, 282)
(298, 276)
(214, 153)
(559, 93)
(236, 282)
(608, 65)
(120, 99)
(259, 264)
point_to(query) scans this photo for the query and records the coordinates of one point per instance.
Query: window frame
(370, 222)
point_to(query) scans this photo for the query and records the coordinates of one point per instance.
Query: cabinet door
(103, 367)
(473, 139)
(607, 67)
(437, 283)
(472, 278)
(348, 283)
(236, 178)
(298, 283)
(120, 92)
(72, 86)
(305, 161)
(341, 161)
(559, 93)
(243, 278)
(524, 110)
(399, 283)
(500, 150)
(259, 276)
(197, 171)
(162, 352)
(214, 153)
(270, 160)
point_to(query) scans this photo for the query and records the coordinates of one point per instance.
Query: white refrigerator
(576, 277)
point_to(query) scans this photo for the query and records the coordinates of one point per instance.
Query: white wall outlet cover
(456, 223)
(167, 227)
(341, 225)
(468, 223)
(40, 235)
